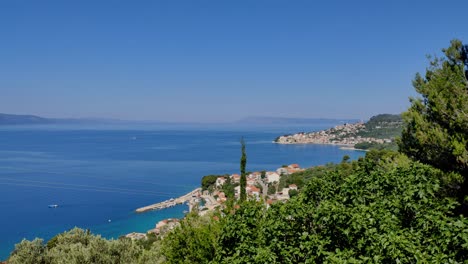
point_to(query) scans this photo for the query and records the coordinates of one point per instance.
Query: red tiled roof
(254, 189)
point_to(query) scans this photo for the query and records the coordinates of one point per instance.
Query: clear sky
(210, 61)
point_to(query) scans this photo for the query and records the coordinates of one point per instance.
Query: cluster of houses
(257, 184)
(345, 134)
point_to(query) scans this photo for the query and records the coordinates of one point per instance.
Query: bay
(98, 175)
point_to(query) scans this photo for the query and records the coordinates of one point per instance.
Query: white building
(272, 177)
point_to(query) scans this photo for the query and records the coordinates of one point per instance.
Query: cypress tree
(243, 179)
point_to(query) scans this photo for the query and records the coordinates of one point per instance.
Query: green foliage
(377, 146)
(243, 179)
(153, 255)
(228, 189)
(29, 252)
(76, 246)
(193, 242)
(436, 125)
(302, 177)
(271, 189)
(385, 209)
(345, 158)
(293, 193)
(208, 181)
(241, 238)
(382, 126)
(148, 243)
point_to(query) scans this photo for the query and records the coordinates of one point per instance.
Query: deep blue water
(97, 174)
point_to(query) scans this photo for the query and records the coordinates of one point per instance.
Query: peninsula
(379, 130)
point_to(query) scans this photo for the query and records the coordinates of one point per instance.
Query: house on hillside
(251, 181)
(235, 178)
(294, 166)
(221, 197)
(282, 171)
(254, 191)
(272, 177)
(283, 195)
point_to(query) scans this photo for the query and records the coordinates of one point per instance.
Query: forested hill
(383, 126)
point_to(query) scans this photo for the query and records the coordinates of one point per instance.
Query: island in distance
(379, 132)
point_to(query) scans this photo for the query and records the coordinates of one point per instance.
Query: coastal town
(346, 135)
(261, 186)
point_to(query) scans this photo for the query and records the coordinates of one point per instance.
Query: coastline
(353, 148)
(342, 146)
(314, 143)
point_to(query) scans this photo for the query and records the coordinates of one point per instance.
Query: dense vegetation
(437, 124)
(383, 126)
(377, 146)
(302, 177)
(385, 208)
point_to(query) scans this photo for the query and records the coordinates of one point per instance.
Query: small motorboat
(53, 205)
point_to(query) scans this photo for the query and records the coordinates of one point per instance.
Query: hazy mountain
(7, 119)
(11, 119)
(285, 120)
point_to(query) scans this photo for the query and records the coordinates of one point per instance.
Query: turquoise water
(97, 174)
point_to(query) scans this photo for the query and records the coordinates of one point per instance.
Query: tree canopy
(436, 124)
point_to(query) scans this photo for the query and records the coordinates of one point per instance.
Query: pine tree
(436, 130)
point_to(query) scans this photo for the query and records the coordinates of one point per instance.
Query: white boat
(53, 205)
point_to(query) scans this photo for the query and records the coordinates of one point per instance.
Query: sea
(99, 174)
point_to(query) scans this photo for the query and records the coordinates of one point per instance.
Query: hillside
(383, 126)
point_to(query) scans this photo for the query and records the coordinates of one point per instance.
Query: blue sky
(214, 61)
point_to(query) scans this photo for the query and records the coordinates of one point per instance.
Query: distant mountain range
(264, 120)
(12, 119)
(7, 119)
